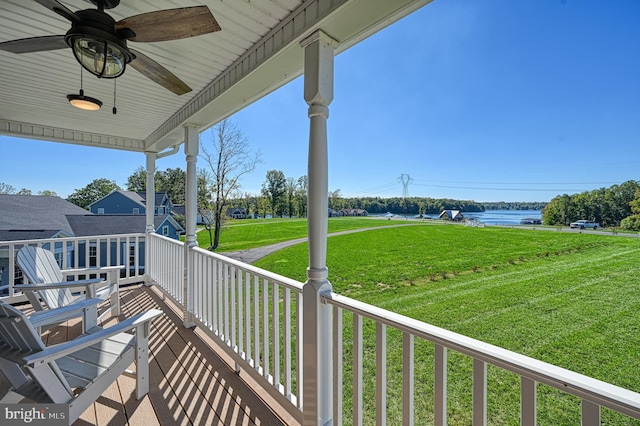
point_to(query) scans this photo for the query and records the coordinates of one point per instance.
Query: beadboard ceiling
(256, 51)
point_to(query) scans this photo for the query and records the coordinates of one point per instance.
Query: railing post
(317, 318)
(191, 145)
(150, 227)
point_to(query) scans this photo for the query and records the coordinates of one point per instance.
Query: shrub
(631, 223)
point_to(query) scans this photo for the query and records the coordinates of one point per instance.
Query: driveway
(251, 255)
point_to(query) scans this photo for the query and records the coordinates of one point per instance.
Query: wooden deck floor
(190, 383)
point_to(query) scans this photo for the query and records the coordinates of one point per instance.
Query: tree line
(616, 206)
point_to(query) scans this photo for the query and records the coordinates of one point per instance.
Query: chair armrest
(63, 349)
(90, 286)
(54, 316)
(99, 270)
(66, 284)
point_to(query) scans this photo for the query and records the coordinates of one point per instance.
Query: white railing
(167, 266)
(254, 315)
(76, 252)
(592, 393)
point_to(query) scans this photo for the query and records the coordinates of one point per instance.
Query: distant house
(453, 215)
(202, 217)
(237, 213)
(129, 202)
(335, 213)
(354, 212)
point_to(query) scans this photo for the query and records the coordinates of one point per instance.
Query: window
(132, 254)
(100, 210)
(93, 255)
(165, 230)
(136, 211)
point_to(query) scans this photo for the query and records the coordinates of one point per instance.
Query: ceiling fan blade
(170, 24)
(156, 72)
(34, 44)
(59, 8)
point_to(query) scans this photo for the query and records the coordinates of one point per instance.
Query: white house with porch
(174, 89)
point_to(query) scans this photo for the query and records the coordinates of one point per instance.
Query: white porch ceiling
(256, 52)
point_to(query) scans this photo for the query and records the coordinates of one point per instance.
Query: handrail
(587, 388)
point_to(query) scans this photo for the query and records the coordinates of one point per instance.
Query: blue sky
(488, 100)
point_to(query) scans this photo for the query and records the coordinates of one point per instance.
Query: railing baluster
(408, 388)
(256, 323)
(337, 366)
(440, 386)
(381, 374)
(247, 315)
(286, 317)
(220, 287)
(233, 306)
(240, 311)
(299, 351)
(275, 332)
(225, 297)
(590, 414)
(527, 402)
(357, 370)
(239, 281)
(265, 328)
(479, 393)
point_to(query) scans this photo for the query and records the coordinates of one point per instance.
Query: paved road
(251, 255)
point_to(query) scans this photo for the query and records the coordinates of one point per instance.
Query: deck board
(190, 383)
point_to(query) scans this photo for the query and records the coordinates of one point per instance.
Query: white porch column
(317, 319)
(150, 227)
(191, 147)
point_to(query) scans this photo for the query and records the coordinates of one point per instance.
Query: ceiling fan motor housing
(96, 44)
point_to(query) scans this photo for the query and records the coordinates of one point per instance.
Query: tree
(47, 193)
(335, 199)
(93, 192)
(290, 186)
(229, 157)
(274, 188)
(25, 191)
(138, 180)
(301, 196)
(5, 188)
(172, 182)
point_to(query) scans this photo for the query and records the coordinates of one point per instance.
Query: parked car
(584, 224)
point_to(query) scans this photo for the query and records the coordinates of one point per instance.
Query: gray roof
(35, 216)
(110, 224)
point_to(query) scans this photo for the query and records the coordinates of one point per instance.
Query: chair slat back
(17, 333)
(40, 267)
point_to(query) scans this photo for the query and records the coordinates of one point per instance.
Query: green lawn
(570, 299)
(250, 233)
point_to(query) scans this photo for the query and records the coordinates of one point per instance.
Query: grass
(250, 233)
(566, 298)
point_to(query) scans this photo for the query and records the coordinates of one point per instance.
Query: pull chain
(114, 110)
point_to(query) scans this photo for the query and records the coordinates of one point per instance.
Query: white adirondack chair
(77, 372)
(47, 288)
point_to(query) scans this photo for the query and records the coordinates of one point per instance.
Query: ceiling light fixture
(81, 101)
(84, 102)
(96, 46)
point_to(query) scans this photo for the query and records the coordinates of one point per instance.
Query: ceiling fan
(99, 43)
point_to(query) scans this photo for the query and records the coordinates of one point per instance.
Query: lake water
(500, 217)
(503, 217)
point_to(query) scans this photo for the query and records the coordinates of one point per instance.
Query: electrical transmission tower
(405, 180)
